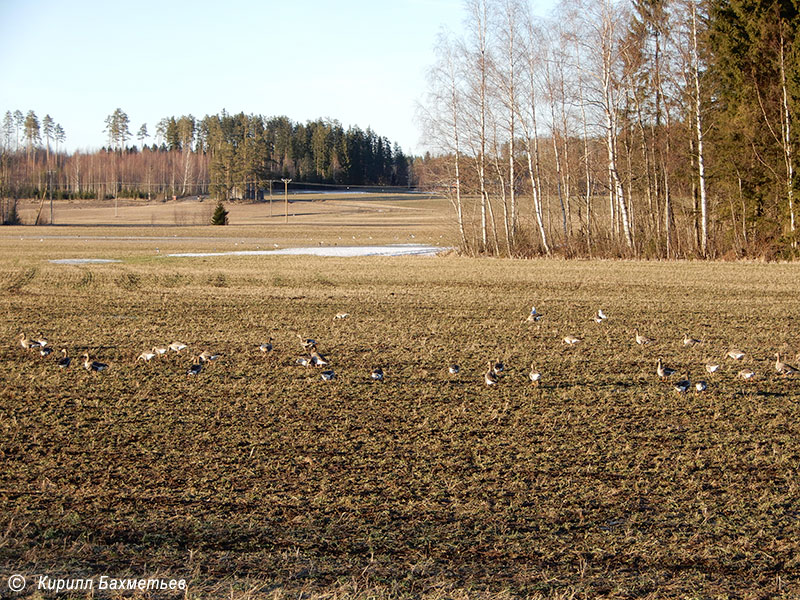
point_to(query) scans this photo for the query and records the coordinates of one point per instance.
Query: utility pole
(50, 188)
(286, 196)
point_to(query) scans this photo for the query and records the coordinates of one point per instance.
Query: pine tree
(19, 120)
(48, 131)
(142, 135)
(8, 130)
(32, 131)
(117, 128)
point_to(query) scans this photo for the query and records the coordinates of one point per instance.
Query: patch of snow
(327, 192)
(83, 261)
(339, 251)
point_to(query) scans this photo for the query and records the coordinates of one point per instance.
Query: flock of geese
(312, 355)
(41, 344)
(313, 358)
(491, 377)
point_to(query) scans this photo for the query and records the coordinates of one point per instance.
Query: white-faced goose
(535, 376)
(663, 371)
(93, 365)
(783, 368)
(640, 339)
(490, 377)
(27, 343)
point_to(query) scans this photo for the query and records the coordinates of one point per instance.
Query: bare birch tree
(786, 138)
(478, 64)
(442, 129)
(698, 123)
(529, 122)
(506, 71)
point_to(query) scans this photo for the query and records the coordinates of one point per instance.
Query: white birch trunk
(699, 132)
(786, 138)
(616, 192)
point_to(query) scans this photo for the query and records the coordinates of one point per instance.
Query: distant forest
(227, 156)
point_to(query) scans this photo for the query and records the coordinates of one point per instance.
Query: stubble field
(257, 479)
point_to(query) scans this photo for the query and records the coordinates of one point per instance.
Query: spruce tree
(220, 216)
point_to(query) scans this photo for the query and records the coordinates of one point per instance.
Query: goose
(177, 346)
(195, 368)
(317, 359)
(159, 351)
(535, 316)
(93, 365)
(571, 340)
(303, 362)
(328, 375)
(782, 367)
(206, 356)
(266, 347)
(601, 315)
(642, 340)
(453, 369)
(64, 361)
(712, 368)
(735, 354)
(700, 386)
(27, 343)
(683, 385)
(45, 351)
(663, 371)
(690, 341)
(306, 343)
(534, 376)
(41, 341)
(746, 374)
(146, 356)
(341, 315)
(490, 378)
(498, 367)
(377, 374)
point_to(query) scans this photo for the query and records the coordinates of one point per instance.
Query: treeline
(653, 128)
(227, 156)
(242, 147)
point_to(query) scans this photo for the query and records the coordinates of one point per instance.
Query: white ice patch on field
(341, 251)
(83, 261)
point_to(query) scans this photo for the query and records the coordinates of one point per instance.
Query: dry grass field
(331, 218)
(257, 479)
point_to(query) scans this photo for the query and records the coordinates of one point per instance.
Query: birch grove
(616, 128)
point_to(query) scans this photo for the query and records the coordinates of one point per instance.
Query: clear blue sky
(362, 62)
